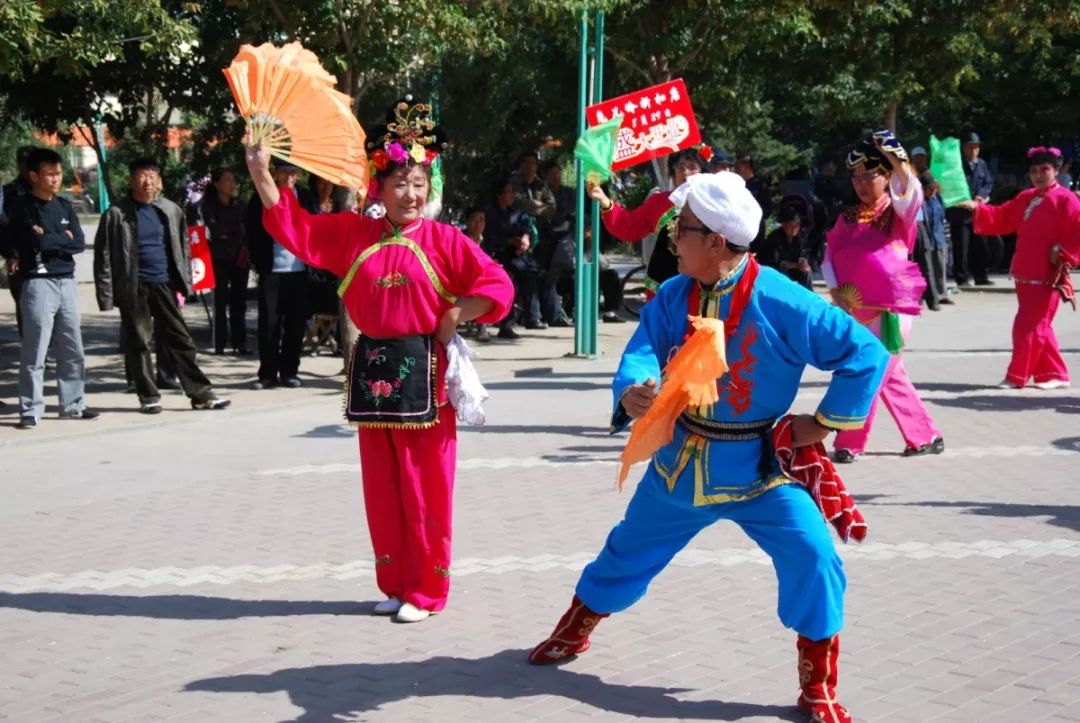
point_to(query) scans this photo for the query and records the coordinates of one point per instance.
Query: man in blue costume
(720, 463)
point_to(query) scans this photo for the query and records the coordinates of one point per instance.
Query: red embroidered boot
(817, 678)
(571, 635)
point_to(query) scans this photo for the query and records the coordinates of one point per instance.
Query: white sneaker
(409, 613)
(1009, 385)
(387, 607)
(1052, 384)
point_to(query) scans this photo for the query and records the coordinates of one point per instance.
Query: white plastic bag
(463, 385)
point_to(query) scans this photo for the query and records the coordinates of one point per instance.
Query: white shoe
(387, 607)
(1052, 384)
(1009, 385)
(409, 613)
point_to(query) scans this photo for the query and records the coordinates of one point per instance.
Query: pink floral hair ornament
(1036, 150)
(1037, 155)
(409, 136)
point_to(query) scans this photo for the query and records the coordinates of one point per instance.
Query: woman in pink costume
(1046, 221)
(407, 284)
(867, 268)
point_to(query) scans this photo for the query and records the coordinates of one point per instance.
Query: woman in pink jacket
(1046, 221)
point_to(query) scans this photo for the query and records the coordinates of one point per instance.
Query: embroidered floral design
(442, 571)
(740, 384)
(376, 390)
(375, 355)
(392, 280)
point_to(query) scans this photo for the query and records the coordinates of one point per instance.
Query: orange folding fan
(293, 110)
(689, 380)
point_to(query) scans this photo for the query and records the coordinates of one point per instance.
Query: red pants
(1035, 347)
(408, 497)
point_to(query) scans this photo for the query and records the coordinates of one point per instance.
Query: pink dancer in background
(868, 272)
(405, 280)
(1046, 221)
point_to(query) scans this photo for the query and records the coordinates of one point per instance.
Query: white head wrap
(723, 204)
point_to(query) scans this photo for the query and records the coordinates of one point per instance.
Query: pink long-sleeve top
(888, 229)
(1040, 222)
(627, 225)
(395, 281)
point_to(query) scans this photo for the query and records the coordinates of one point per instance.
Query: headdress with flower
(410, 137)
(1038, 155)
(867, 153)
(703, 153)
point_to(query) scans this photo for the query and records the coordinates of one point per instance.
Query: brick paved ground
(216, 567)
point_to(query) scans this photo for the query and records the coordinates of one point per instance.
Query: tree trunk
(889, 117)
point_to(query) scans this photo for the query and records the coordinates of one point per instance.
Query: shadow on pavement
(1066, 516)
(573, 431)
(1063, 405)
(333, 692)
(329, 431)
(175, 607)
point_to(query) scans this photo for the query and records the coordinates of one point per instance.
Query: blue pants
(784, 522)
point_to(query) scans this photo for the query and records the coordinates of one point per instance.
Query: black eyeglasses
(680, 228)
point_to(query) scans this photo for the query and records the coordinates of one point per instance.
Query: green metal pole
(580, 317)
(598, 95)
(103, 196)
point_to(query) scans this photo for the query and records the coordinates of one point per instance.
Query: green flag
(596, 151)
(948, 168)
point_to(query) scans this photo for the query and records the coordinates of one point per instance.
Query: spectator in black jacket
(223, 214)
(971, 257)
(8, 195)
(46, 236)
(757, 187)
(142, 260)
(283, 293)
(785, 248)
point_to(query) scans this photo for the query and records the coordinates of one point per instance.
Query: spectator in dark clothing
(931, 249)
(509, 241)
(561, 227)
(324, 197)
(475, 226)
(785, 248)
(10, 193)
(971, 251)
(142, 260)
(223, 214)
(831, 192)
(757, 187)
(283, 293)
(45, 237)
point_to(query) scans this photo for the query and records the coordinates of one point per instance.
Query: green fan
(947, 166)
(596, 151)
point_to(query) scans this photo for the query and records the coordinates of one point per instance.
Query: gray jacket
(116, 252)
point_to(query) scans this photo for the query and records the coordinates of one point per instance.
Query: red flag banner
(202, 268)
(656, 121)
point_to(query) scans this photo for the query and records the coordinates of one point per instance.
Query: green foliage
(789, 82)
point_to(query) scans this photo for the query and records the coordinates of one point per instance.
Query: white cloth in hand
(463, 385)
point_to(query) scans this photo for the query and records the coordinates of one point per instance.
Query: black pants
(283, 303)
(611, 288)
(230, 305)
(156, 312)
(969, 253)
(800, 277)
(166, 365)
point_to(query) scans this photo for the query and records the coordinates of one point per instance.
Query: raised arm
(634, 225)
